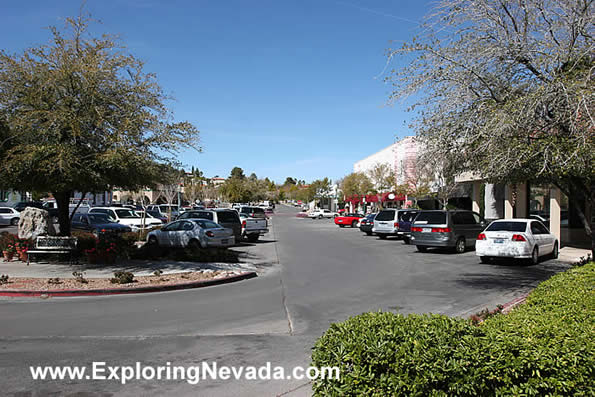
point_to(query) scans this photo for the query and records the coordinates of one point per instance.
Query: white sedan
(317, 213)
(516, 238)
(192, 233)
(9, 216)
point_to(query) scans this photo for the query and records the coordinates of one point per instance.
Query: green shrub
(122, 278)
(7, 239)
(543, 347)
(85, 240)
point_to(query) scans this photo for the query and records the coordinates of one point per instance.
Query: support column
(521, 201)
(490, 202)
(476, 196)
(508, 207)
(555, 212)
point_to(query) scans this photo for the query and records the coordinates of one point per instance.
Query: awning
(391, 196)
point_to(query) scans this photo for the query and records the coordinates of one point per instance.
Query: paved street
(312, 273)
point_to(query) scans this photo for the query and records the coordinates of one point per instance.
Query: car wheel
(421, 248)
(535, 256)
(253, 237)
(153, 241)
(14, 221)
(460, 245)
(555, 252)
(369, 233)
(484, 259)
(194, 244)
(406, 240)
(382, 236)
(319, 216)
(354, 224)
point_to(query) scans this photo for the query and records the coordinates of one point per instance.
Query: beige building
(523, 200)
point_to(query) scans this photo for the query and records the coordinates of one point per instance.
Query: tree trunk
(63, 201)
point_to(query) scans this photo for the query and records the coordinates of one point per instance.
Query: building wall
(405, 157)
(384, 156)
(401, 156)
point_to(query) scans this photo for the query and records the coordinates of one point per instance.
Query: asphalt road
(312, 273)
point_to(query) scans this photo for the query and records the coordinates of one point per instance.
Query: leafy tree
(80, 114)
(290, 181)
(356, 183)
(508, 94)
(383, 177)
(237, 173)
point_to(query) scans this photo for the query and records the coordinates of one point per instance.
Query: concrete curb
(508, 306)
(121, 291)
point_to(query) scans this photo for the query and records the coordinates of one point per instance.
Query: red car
(348, 219)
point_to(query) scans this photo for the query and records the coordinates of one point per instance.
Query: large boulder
(35, 222)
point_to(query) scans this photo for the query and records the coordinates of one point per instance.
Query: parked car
(318, 213)
(9, 216)
(366, 224)
(164, 210)
(126, 217)
(253, 228)
(406, 217)
(155, 214)
(97, 224)
(516, 238)
(192, 233)
(53, 211)
(225, 217)
(20, 206)
(350, 219)
(151, 216)
(456, 229)
(386, 223)
(252, 212)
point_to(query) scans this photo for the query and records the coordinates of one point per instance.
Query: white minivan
(126, 216)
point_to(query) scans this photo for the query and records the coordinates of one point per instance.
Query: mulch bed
(47, 284)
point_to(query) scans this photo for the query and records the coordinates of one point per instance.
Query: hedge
(544, 347)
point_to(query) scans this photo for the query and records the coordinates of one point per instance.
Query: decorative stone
(35, 222)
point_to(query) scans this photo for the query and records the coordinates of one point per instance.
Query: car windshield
(354, 215)
(97, 219)
(508, 226)
(385, 216)
(154, 213)
(432, 218)
(126, 214)
(205, 224)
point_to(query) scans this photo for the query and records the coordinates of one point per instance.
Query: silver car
(9, 216)
(192, 233)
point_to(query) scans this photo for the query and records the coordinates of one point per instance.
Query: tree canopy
(80, 114)
(504, 89)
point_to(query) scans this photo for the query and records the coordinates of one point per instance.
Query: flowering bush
(10, 249)
(7, 239)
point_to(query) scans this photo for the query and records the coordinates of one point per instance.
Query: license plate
(340, 220)
(426, 230)
(498, 241)
(383, 223)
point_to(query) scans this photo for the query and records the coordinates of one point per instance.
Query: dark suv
(453, 229)
(406, 217)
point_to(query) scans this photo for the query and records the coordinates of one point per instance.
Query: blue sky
(280, 87)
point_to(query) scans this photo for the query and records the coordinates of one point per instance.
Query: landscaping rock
(35, 222)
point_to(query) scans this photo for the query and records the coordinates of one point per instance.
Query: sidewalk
(572, 255)
(137, 267)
